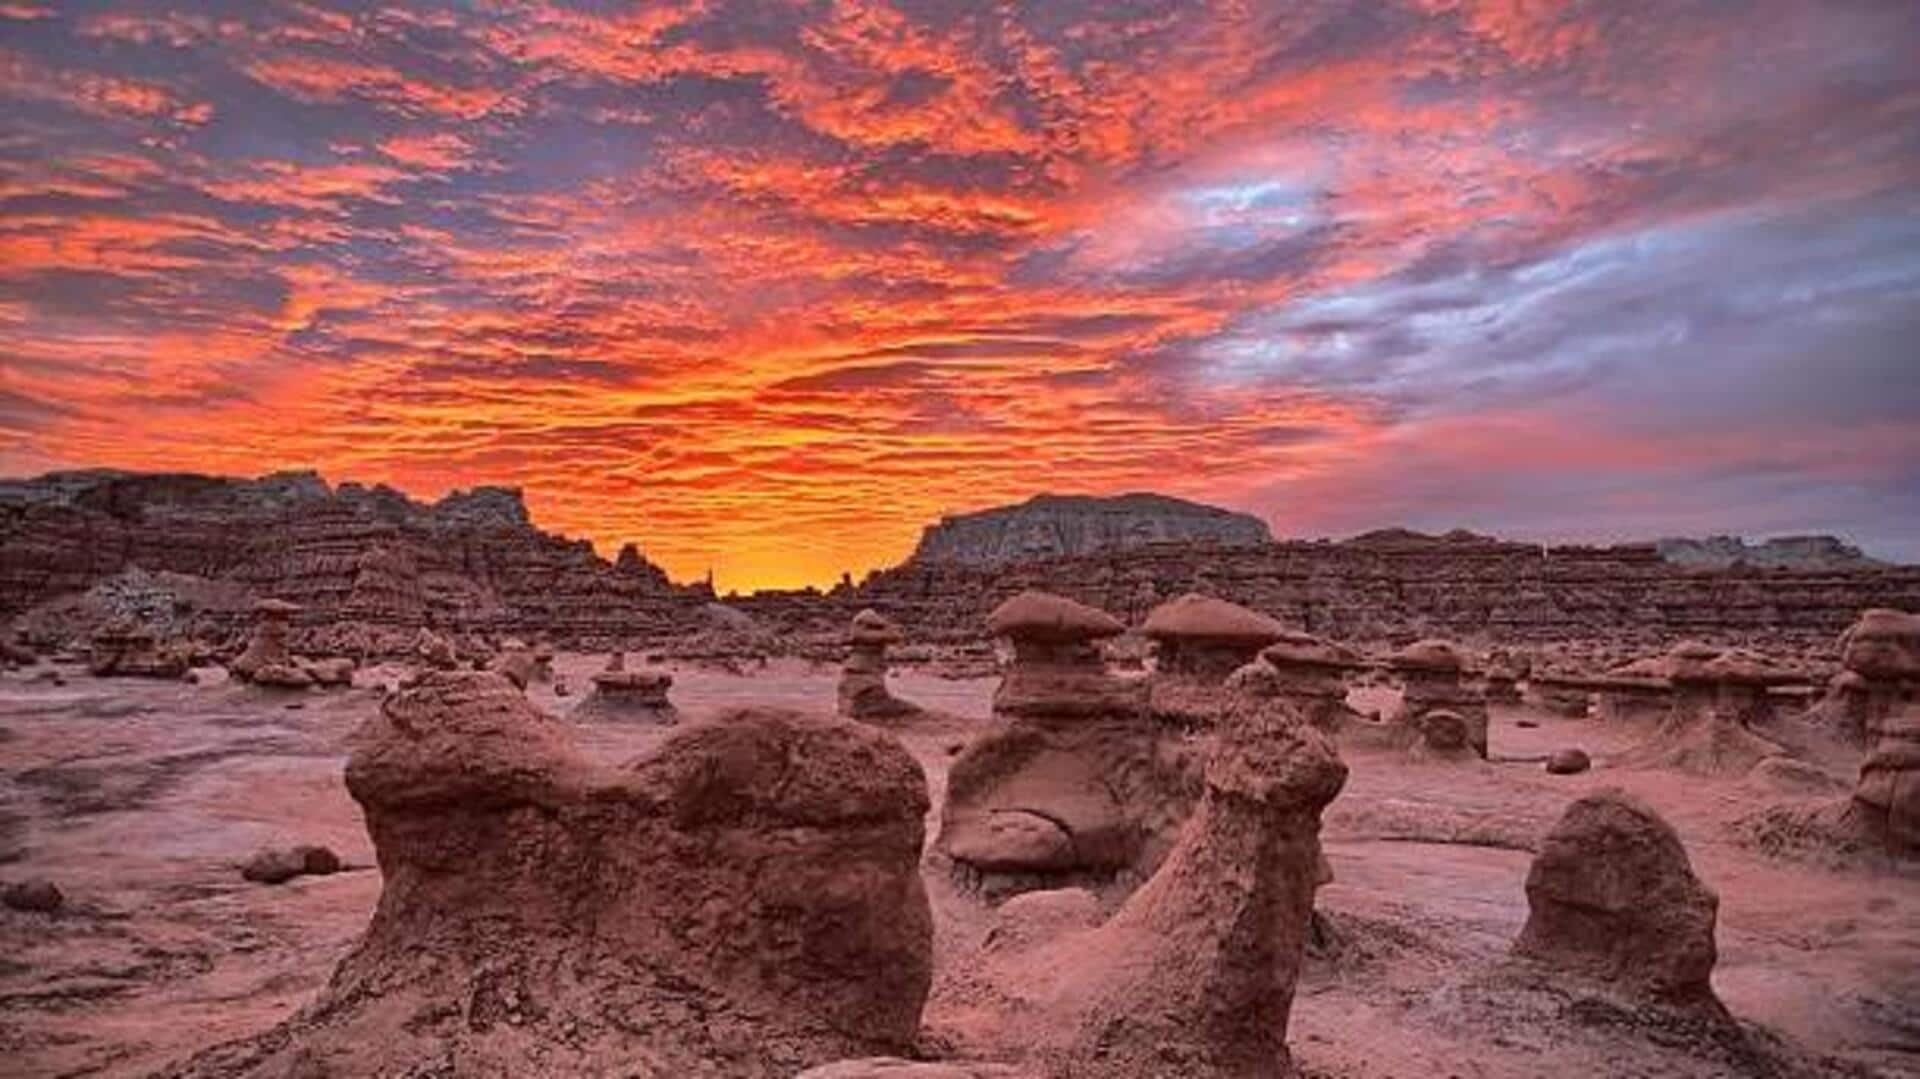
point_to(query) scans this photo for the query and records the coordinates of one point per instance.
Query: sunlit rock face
(1195, 974)
(1052, 526)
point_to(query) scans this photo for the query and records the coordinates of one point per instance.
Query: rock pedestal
(1311, 675)
(1706, 730)
(1198, 641)
(1430, 675)
(1073, 782)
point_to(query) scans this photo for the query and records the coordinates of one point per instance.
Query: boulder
(37, 895)
(1567, 762)
(1612, 899)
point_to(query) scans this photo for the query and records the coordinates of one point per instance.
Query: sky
(766, 287)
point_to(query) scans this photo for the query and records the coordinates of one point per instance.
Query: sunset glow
(766, 287)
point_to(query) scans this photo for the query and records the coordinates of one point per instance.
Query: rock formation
(473, 560)
(1502, 677)
(1881, 818)
(1310, 674)
(1612, 898)
(1073, 782)
(863, 677)
(1394, 584)
(1050, 526)
(1431, 678)
(1706, 730)
(1194, 975)
(1197, 642)
(1636, 692)
(267, 660)
(623, 695)
(1562, 692)
(1883, 649)
(746, 901)
(127, 649)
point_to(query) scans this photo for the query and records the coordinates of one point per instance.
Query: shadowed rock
(1612, 898)
(745, 901)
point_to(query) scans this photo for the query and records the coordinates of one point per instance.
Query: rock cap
(1199, 617)
(1042, 616)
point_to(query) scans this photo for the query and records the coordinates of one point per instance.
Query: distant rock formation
(472, 562)
(1783, 552)
(1397, 585)
(1053, 526)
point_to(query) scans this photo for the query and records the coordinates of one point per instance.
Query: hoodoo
(746, 901)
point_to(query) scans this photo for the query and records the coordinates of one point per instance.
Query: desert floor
(141, 799)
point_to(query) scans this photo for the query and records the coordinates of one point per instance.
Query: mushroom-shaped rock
(744, 901)
(863, 691)
(1073, 782)
(1056, 669)
(1706, 730)
(1194, 975)
(1198, 642)
(1206, 636)
(1310, 673)
(1044, 618)
(1612, 898)
(1430, 678)
(268, 661)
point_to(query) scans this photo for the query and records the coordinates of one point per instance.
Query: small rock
(1527, 724)
(274, 866)
(561, 689)
(39, 895)
(1568, 762)
(317, 860)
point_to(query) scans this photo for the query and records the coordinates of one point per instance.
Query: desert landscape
(315, 781)
(944, 539)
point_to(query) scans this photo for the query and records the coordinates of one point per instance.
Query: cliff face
(1398, 585)
(1054, 526)
(1784, 552)
(472, 561)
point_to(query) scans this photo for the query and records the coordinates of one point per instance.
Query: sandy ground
(141, 799)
